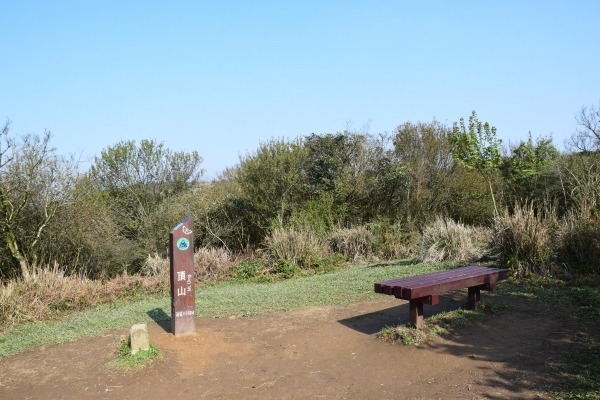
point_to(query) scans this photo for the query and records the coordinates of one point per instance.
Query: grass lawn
(241, 299)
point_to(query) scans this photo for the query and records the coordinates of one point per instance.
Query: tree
(34, 184)
(587, 136)
(269, 180)
(584, 169)
(525, 166)
(477, 147)
(137, 178)
(425, 154)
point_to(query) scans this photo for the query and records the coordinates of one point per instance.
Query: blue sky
(219, 77)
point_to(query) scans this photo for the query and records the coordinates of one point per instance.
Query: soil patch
(315, 352)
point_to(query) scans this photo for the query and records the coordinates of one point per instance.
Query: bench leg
(474, 298)
(416, 313)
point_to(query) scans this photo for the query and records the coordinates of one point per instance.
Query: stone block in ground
(139, 338)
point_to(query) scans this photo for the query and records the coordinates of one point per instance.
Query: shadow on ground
(163, 320)
(398, 263)
(372, 323)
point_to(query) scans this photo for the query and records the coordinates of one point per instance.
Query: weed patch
(124, 360)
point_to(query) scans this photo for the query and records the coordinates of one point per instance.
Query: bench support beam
(416, 308)
(474, 298)
(475, 294)
(416, 313)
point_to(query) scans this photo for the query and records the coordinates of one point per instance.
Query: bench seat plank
(455, 277)
(433, 275)
(434, 280)
(381, 287)
(449, 285)
(397, 287)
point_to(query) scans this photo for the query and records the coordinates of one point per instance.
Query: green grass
(575, 374)
(126, 361)
(241, 299)
(578, 374)
(584, 294)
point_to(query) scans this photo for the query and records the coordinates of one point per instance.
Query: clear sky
(220, 76)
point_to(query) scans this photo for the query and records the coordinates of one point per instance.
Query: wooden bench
(425, 289)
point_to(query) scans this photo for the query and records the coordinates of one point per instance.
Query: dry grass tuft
(524, 239)
(446, 240)
(578, 243)
(211, 264)
(397, 242)
(298, 247)
(353, 243)
(48, 293)
(155, 265)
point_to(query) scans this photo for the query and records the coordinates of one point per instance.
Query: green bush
(269, 180)
(286, 269)
(316, 215)
(247, 270)
(329, 263)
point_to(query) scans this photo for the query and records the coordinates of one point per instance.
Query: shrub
(155, 265)
(395, 241)
(286, 269)
(247, 269)
(354, 243)
(269, 179)
(446, 239)
(578, 243)
(211, 264)
(296, 247)
(330, 263)
(523, 240)
(316, 215)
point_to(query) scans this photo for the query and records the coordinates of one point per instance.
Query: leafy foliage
(527, 172)
(137, 178)
(477, 147)
(294, 203)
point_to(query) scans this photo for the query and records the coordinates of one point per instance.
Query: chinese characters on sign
(181, 289)
(181, 252)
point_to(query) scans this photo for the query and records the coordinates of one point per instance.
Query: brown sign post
(183, 301)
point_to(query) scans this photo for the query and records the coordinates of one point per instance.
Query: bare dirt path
(317, 352)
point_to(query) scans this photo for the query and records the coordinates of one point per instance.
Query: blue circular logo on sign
(183, 244)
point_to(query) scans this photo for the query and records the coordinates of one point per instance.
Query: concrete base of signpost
(139, 338)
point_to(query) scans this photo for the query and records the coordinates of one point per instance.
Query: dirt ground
(316, 352)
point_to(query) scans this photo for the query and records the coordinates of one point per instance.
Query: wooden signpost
(183, 302)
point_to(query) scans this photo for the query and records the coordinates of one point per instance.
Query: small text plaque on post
(183, 301)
